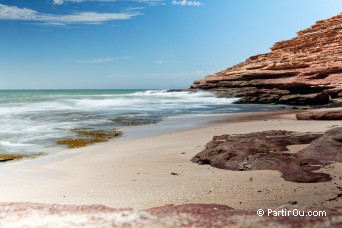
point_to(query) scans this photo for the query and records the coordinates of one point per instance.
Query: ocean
(32, 121)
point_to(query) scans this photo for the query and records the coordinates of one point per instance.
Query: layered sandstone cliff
(305, 70)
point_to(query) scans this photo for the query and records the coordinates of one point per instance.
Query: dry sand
(138, 173)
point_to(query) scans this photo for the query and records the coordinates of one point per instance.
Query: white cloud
(160, 62)
(99, 60)
(86, 17)
(14, 13)
(186, 3)
(124, 57)
(58, 2)
(103, 60)
(25, 14)
(149, 2)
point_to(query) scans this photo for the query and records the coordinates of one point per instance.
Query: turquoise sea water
(33, 120)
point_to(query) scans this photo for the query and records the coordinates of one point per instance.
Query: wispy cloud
(58, 2)
(149, 2)
(103, 60)
(186, 3)
(26, 14)
(160, 62)
(15, 13)
(124, 57)
(186, 74)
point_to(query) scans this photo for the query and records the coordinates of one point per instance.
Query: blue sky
(116, 44)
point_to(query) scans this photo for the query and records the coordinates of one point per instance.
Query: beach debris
(84, 137)
(338, 196)
(175, 174)
(268, 150)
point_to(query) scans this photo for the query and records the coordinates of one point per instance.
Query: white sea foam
(33, 121)
(5, 143)
(131, 101)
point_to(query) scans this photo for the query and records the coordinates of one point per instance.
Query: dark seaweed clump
(13, 157)
(135, 121)
(84, 137)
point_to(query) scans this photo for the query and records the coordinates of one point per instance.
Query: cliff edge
(305, 70)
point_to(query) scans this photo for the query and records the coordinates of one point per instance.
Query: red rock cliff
(305, 70)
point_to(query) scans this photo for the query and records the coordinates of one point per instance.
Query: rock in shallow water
(135, 121)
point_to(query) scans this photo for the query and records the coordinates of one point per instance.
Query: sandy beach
(157, 171)
(170, 113)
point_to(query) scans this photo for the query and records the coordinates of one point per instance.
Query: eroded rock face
(188, 215)
(320, 115)
(268, 151)
(306, 67)
(326, 148)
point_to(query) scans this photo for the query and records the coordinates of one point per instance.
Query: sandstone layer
(190, 215)
(305, 70)
(268, 151)
(322, 115)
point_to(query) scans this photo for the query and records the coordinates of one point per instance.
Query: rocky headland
(305, 70)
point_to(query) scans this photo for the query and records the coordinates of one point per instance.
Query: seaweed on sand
(88, 137)
(13, 157)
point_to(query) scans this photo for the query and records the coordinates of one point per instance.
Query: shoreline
(137, 173)
(174, 124)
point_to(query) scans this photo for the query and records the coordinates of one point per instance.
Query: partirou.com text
(290, 212)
